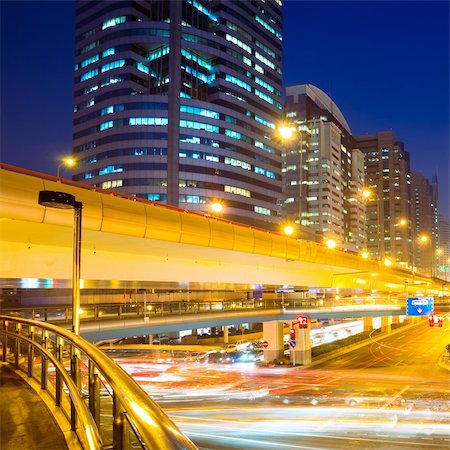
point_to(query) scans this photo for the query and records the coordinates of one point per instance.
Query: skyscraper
(388, 177)
(323, 173)
(177, 101)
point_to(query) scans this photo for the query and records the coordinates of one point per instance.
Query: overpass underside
(131, 243)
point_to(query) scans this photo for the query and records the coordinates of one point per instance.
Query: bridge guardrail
(106, 408)
(97, 312)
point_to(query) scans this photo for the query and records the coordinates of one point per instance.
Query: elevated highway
(129, 242)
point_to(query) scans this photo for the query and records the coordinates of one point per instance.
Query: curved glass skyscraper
(177, 102)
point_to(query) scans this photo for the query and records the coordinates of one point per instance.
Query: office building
(177, 102)
(323, 174)
(388, 177)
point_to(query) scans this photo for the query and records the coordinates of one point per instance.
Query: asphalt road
(389, 394)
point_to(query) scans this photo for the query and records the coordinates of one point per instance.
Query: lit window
(199, 111)
(261, 210)
(90, 74)
(264, 60)
(148, 121)
(237, 191)
(113, 22)
(199, 126)
(90, 60)
(106, 125)
(108, 52)
(238, 82)
(264, 96)
(268, 27)
(239, 43)
(237, 163)
(113, 65)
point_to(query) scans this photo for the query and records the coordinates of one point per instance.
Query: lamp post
(422, 239)
(63, 200)
(287, 132)
(369, 195)
(69, 162)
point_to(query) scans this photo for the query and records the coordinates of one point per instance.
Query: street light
(369, 195)
(331, 243)
(63, 200)
(421, 239)
(287, 132)
(288, 229)
(68, 161)
(216, 207)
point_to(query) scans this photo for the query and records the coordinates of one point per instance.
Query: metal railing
(139, 310)
(106, 408)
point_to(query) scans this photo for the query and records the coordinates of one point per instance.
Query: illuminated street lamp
(63, 200)
(216, 207)
(287, 133)
(387, 262)
(368, 195)
(331, 243)
(365, 254)
(288, 229)
(421, 239)
(68, 162)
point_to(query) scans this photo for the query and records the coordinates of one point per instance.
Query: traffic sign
(419, 306)
(292, 344)
(302, 321)
(265, 344)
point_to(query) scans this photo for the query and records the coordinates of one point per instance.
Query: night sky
(385, 64)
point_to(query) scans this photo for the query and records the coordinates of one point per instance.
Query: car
(435, 321)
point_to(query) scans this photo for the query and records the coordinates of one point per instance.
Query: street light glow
(365, 254)
(288, 229)
(387, 262)
(331, 243)
(423, 238)
(217, 207)
(286, 132)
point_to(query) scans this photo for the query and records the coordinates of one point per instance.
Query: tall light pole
(287, 132)
(63, 200)
(68, 161)
(422, 239)
(369, 195)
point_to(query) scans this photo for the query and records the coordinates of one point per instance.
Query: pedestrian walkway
(25, 421)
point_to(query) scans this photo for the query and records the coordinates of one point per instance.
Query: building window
(261, 210)
(113, 22)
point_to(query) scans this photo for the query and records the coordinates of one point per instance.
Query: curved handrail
(89, 429)
(154, 427)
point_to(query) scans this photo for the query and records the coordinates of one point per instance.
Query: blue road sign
(419, 306)
(292, 344)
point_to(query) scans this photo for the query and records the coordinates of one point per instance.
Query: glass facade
(191, 90)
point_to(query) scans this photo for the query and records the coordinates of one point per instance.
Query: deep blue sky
(385, 64)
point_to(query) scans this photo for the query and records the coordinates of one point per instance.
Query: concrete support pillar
(386, 323)
(150, 338)
(225, 334)
(273, 334)
(300, 355)
(368, 323)
(395, 319)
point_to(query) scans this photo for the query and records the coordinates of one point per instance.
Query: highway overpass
(134, 243)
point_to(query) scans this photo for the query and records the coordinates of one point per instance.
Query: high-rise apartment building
(387, 169)
(323, 174)
(177, 101)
